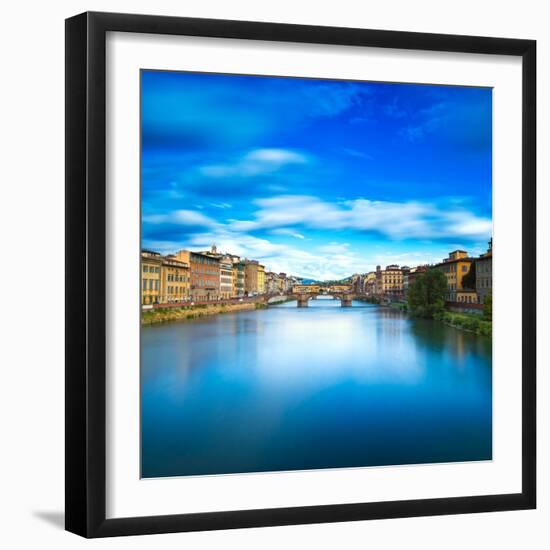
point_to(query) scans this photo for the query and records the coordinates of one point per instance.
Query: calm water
(318, 387)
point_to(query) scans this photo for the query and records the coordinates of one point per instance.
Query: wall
(31, 218)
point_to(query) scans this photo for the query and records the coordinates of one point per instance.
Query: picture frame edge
(85, 448)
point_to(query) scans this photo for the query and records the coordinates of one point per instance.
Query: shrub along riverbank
(188, 313)
(464, 321)
(427, 299)
(470, 322)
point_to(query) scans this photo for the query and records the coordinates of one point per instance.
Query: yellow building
(306, 289)
(251, 268)
(339, 288)
(392, 281)
(369, 285)
(455, 267)
(151, 263)
(234, 279)
(466, 296)
(174, 281)
(261, 279)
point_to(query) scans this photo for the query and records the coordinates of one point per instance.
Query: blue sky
(317, 178)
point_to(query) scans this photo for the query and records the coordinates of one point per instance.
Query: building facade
(340, 288)
(237, 271)
(272, 283)
(306, 289)
(250, 277)
(151, 263)
(358, 283)
(174, 281)
(261, 279)
(484, 274)
(226, 277)
(392, 282)
(254, 277)
(369, 285)
(283, 283)
(466, 296)
(455, 267)
(204, 275)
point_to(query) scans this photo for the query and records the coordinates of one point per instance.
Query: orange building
(204, 275)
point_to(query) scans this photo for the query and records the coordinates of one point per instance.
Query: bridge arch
(303, 298)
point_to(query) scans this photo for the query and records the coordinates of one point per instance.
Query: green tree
(426, 296)
(488, 308)
(469, 280)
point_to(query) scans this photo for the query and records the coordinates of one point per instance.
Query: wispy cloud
(295, 215)
(394, 110)
(314, 177)
(317, 264)
(254, 163)
(461, 123)
(356, 153)
(396, 220)
(180, 217)
(289, 232)
(335, 248)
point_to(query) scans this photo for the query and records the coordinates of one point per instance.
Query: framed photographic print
(300, 274)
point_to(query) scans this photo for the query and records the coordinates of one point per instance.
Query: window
(144, 285)
(145, 269)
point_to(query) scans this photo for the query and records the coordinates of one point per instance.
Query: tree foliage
(488, 308)
(469, 280)
(426, 296)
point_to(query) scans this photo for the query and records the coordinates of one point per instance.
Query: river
(291, 388)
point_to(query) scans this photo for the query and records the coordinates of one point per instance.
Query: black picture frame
(86, 279)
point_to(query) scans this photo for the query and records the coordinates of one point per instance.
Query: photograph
(316, 274)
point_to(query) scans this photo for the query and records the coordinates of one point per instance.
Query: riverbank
(466, 321)
(469, 322)
(189, 313)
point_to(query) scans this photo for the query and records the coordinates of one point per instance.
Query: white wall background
(32, 272)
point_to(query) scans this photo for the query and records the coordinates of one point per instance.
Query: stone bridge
(303, 298)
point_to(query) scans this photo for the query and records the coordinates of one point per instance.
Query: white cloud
(254, 163)
(285, 214)
(329, 264)
(334, 248)
(289, 232)
(180, 217)
(397, 220)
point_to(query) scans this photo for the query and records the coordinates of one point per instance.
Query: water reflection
(299, 388)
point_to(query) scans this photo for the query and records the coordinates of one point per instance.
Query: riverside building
(204, 275)
(455, 267)
(484, 274)
(151, 263)
(174, 280)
